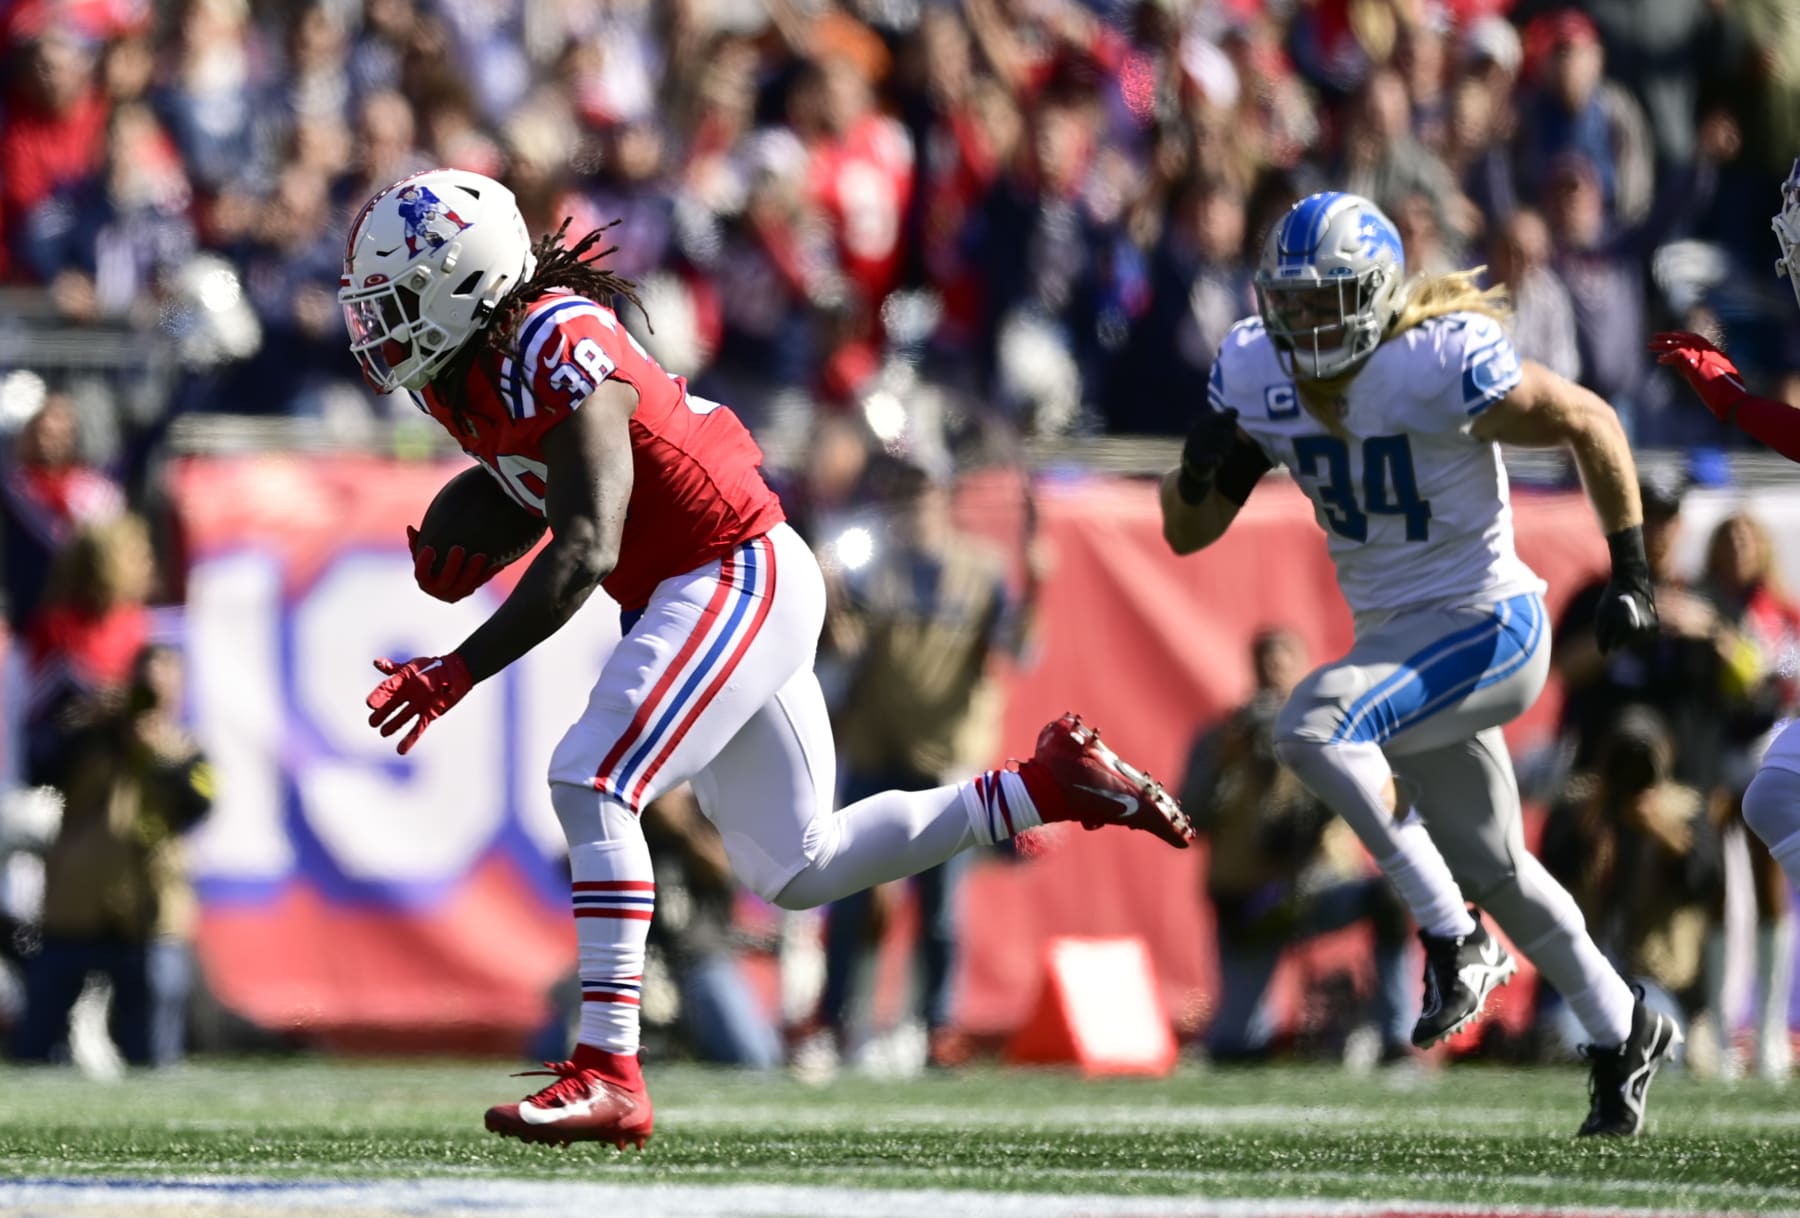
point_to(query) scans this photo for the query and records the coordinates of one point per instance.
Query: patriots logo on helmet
(428, 221)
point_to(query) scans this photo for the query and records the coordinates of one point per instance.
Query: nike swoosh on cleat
(531, 1114)
(1128, 802)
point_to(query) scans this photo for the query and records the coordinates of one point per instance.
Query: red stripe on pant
(647, 711)
(635, 915)
(725, 671)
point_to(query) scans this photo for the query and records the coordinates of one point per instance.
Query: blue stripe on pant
(1446, 671)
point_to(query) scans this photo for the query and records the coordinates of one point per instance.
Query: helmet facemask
(1787, 230)
(386, 326)
(1326, 326)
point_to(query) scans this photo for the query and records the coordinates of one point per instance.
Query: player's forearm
(556, 584)
(1191, 527)
(1603, 456)
(1773, 423)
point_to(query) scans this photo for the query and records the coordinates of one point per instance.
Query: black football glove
(1208, 443)
(1627, 610)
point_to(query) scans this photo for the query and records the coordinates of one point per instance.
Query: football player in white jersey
(1388, 401)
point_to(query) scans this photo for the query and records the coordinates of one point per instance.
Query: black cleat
(1619, 1077)
(1460, 973)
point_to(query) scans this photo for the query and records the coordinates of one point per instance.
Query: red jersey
(864, 183)
(696, 491)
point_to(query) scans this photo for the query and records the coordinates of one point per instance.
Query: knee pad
(587, 815)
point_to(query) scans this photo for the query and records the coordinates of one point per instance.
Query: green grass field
(1476, 1136)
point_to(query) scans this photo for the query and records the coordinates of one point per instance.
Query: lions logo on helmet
(1329, 284)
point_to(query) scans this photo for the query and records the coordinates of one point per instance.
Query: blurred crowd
(1054, 204)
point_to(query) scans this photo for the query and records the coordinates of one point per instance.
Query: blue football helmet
(1331, 280)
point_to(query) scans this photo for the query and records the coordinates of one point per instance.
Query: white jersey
(1416, 510)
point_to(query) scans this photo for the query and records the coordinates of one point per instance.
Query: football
(473, 512)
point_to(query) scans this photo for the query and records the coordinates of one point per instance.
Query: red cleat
(1094, 787)
(579, 1106)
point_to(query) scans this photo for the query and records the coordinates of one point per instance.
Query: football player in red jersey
(1772, 801)
(654, 495)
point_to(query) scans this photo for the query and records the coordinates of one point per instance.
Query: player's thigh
(771, 785)
(1781, 750)
(712, 648)
(1422, 679)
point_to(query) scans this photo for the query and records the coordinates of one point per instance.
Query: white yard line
(1441, 1120)
(244, 1198)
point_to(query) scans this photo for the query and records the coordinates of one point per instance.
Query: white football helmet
(1787, 230)
(1330, 282)
(427, 261)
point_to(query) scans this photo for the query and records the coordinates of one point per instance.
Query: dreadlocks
(573, 268)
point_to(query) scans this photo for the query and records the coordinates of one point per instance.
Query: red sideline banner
(370, 899)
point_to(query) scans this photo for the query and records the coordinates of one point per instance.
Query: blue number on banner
(1390, 487)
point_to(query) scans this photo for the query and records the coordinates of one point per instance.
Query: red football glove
(1709, 370)
(423, 689)
(462, 574)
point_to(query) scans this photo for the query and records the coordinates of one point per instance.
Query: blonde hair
(1431, 296)
(1424, 298)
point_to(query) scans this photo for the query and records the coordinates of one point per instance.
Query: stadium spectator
(1280, 869)
(117, 898)
(1640, 855)
(55, 124)
(103, 241)
(81, 643)
(1199, 288)
(722, 1018)
(1740, 580)
(1573, 111)
(291, 257)
(1680, 673)
(1476, 150)
(1603, 266)
(1382, 160)
(917, 627)
(47, 492)
(1543, 315)
(209, 98)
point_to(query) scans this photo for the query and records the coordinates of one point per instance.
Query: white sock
(999, 806)
(1353, 779)
(901, 833)
(1423, 878)
(614, 893)
(1775, 980)
(1568, 959)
